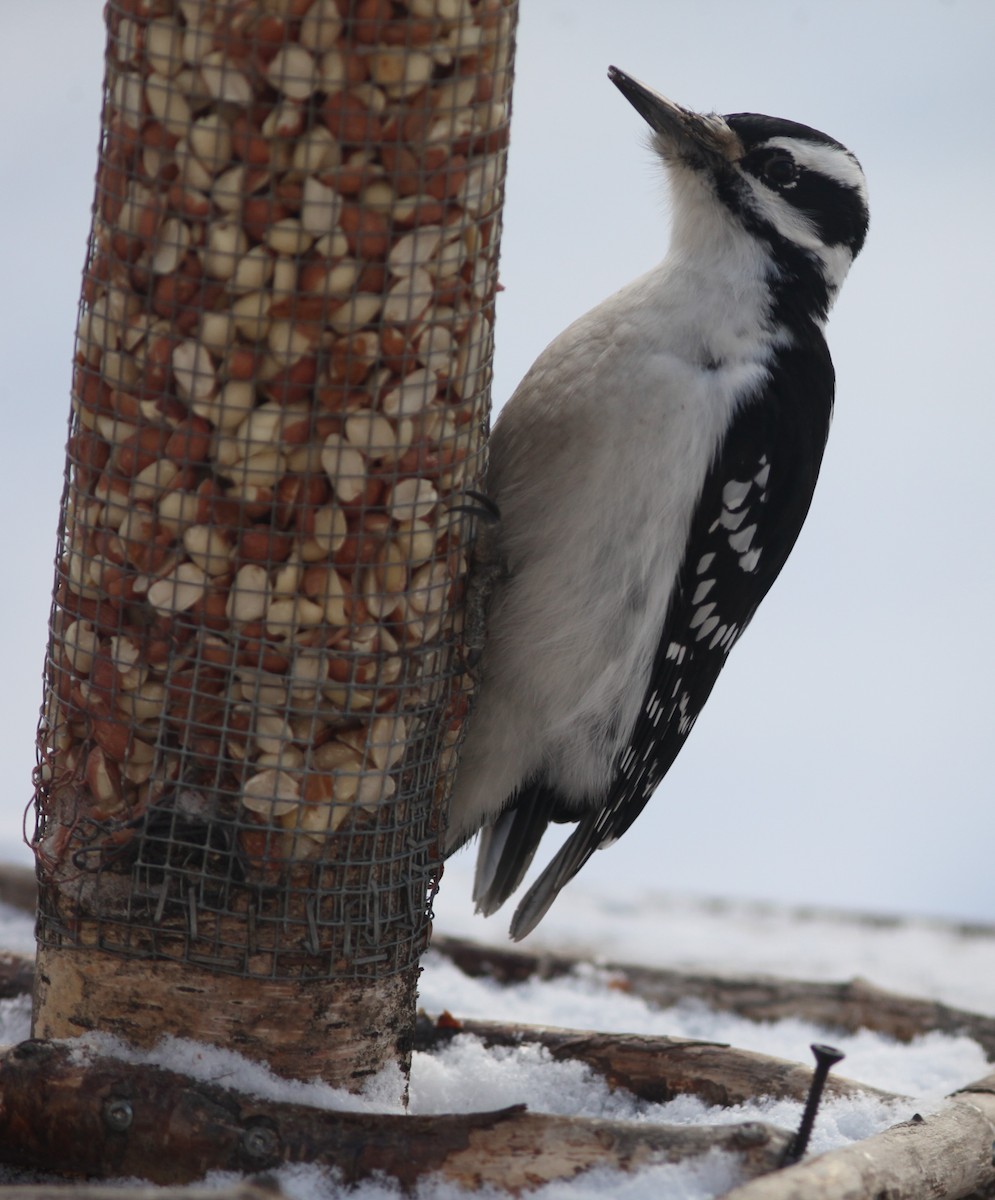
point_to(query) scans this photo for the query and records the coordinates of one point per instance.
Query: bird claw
(486, 568)
(484, 510)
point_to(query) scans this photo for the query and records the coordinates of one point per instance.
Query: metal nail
(260, 1141)
(118, 1114)
(825, 1059)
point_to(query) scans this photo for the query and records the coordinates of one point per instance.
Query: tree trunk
(304, 1029)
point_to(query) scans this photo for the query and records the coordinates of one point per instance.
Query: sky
(844, 757)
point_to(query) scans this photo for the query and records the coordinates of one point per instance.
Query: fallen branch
(848, 1006)
(946, 1154)
(263, 1188)
(106, 1118)
(655, 1068)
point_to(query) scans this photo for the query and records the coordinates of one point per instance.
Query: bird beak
(680, 133)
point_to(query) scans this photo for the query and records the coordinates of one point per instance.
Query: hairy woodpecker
(652, 472)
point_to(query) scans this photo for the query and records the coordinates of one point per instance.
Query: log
(849, 1006)
(263, 1188)
(947, 1154)
(655, 1068)
(103, 1118)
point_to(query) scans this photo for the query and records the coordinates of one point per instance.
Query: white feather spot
(735, 492)
(740, 542)
(702, 590)
(761, 477)
(732, 520)
(704, 563)
(676, 652)
(748, 561)
(701, 614)
(707, 628)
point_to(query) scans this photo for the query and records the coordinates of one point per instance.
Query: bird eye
(779, 170)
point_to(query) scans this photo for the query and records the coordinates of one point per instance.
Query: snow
(932, 959)
(710, 1175)
(212, 1064)
(924, 958)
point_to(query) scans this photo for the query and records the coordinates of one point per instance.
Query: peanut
(280, 361)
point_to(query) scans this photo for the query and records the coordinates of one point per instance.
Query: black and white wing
(751, 510)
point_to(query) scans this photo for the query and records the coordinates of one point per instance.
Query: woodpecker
(651, 474)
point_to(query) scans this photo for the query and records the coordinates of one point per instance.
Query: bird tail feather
(508, 845)
(564, 865)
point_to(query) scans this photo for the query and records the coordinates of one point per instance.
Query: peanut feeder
(281, 384)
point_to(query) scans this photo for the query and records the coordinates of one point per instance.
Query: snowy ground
(928, 959)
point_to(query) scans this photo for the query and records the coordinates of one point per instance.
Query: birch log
(104, 1118)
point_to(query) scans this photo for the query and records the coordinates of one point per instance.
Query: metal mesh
(281, 387)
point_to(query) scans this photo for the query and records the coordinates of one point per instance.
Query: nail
(118, 1114)
(259, 1141)
(826, 1058)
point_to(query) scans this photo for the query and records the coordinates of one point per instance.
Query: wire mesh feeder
(254, 687)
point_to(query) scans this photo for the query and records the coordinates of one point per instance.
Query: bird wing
(752, 507)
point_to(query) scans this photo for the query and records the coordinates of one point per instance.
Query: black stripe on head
(754, 128)
(835, 206)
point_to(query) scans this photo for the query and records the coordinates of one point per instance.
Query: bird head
(795, 190)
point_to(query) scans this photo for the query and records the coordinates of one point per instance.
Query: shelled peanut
(280, 385)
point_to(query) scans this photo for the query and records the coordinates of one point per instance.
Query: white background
(845, 755)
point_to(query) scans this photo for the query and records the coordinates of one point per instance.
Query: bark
(306, 1029)
(851, 1006)
(104, 1118)
(655, 1068)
